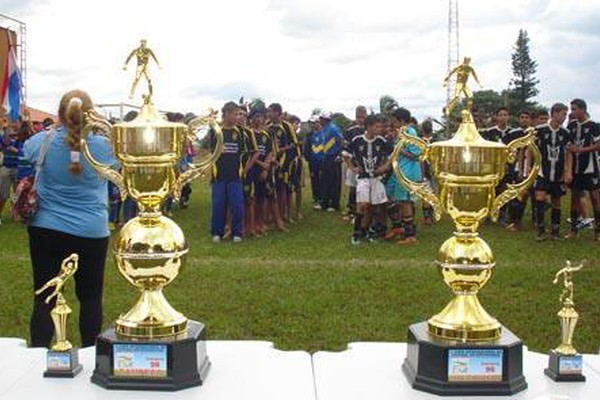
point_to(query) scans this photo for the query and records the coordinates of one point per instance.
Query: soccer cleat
(237, 239)
(408, 240)
(540, 237)
(394, 233)
(355, 241)
(571, 235)
(216, 239)
(330, 210)
(317, 206)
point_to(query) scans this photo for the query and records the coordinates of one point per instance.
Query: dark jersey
(295, 150)
(368, 155)
(229, 166)
(282, 139)
(249, 143)
(511, 170)
(584, 134)
(264, 144)
(351, 133)
(495, 134)
(553, 146)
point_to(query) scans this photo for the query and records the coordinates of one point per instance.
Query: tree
(523, 86)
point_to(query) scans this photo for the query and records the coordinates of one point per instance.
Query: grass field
(310, 289)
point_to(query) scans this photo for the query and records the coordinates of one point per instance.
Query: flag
(11, 85)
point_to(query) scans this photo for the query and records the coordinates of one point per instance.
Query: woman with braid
(72, 217)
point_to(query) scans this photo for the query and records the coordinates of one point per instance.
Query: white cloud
(305, 54)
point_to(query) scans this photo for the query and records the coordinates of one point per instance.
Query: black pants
(331, 183)
(47, 249)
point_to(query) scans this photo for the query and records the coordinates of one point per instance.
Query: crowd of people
(257, 182)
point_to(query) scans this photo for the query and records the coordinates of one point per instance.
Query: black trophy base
(62, 364)
(162, 364)
(451, 368)
(563, 368)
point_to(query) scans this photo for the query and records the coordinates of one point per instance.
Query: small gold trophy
(152, 346)
(463, 350)
(565, 364)
(62, 360)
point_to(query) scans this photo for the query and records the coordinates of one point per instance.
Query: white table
(374, 371)
(240, 370)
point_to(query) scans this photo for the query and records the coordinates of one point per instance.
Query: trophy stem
(60, 314)
(465, 319)
(568, 320)
(151, 317)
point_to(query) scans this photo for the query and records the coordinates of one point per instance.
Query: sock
(358, 231)
(410, 230)
(516, 211)
(574, 218)
(539, 216)
(555, 221)
(597, 221)
(393, 212)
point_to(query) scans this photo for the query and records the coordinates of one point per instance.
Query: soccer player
(501, 129)
(264, 184)
(427, 136)
(284, 146)
(313, 151)
(331, 166)
(248, 161)
(411, 167)
(294, 187)
(515, 172)
(584, 171)
(368, 157)
(552, 141)
(356, 129)
(227, 187)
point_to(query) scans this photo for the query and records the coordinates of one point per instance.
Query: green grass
(310, 289)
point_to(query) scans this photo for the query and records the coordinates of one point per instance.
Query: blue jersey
(332, 140)
(75, 204)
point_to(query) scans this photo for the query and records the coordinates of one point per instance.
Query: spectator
(72, 218)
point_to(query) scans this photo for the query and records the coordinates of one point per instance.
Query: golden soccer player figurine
(143, 54)
(565, 363)
(463, 72)
(62, 360)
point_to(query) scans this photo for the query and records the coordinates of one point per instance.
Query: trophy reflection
(62, 360)
(565, 363)
(150, 250)
(467, 170)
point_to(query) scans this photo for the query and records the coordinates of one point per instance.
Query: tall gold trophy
(463, 350)
(152, 346)
(62, 360)
(565, 364)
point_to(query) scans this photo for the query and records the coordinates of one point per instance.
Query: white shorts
(371, 191)
(350, 178)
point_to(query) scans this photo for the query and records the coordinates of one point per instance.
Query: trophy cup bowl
(466, 169)
(150, 251)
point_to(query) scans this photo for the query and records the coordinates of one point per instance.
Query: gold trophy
(62, 360)
(480, 357)
(152, 346)
(565, 363)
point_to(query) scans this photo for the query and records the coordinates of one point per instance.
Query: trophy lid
(468, 135)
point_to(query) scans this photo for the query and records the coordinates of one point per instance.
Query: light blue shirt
(70, 203)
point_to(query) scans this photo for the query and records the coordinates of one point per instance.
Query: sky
(304, 54)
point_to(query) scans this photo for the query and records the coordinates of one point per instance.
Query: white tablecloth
(256, 370)
(240, 370)
(374, 371)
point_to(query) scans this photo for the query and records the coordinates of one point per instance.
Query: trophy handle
(196, 170)
(97, 123)
(514, 190)
(419, 188)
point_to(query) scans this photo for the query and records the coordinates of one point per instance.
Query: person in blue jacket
(72, 218)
